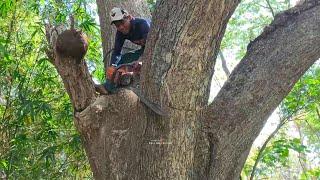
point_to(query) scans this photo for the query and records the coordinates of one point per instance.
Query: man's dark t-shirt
(139, 30)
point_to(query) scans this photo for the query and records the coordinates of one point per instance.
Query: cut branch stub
(68, 47)
(72, 43)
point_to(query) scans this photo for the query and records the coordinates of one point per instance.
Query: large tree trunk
(177, 75)
(125, 140)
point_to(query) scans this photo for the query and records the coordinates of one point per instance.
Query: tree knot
(72, 43)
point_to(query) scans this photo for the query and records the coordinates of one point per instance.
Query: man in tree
(131, 28)
(128, 27)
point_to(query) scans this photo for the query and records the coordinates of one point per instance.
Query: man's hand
(110, 72)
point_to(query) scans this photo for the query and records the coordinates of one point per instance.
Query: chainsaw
(124, 75)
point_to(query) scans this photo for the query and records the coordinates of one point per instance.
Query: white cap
(118, 14)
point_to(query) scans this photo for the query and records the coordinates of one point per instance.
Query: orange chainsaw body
(124, 73)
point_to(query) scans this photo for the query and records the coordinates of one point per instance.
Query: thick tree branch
(176, 74)
(66, 52)
(113, 136)
(178, 56)
(77, 81)
(273, 64)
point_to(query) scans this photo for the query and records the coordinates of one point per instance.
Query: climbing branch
(259, 78)
(273, 64)
(66, 51)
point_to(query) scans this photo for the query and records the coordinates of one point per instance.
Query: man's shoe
(101, 89)
(110, 87)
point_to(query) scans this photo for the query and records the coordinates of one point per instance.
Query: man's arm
(117, 47)
(144, 29)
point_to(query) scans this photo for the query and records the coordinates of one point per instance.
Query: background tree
(288, 157)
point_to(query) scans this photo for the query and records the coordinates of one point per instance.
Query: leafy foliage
(151, 4)
(38, 137)
(248, 22)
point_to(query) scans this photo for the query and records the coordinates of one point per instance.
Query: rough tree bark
(125, 140)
